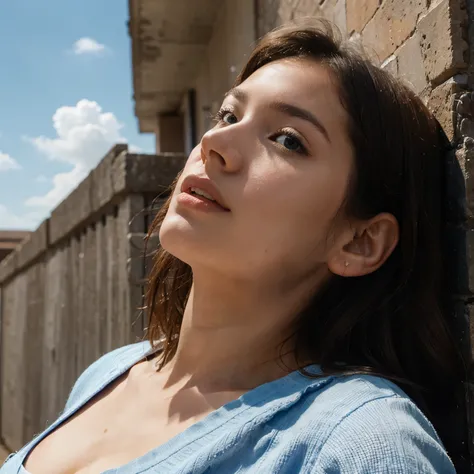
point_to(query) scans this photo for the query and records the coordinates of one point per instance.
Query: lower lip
(199, 203)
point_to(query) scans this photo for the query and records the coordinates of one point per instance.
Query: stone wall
(426, 43)
(422, 41)
(73, 290)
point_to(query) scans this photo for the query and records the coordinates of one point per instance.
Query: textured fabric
(347, 425)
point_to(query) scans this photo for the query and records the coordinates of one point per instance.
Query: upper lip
(206, 185)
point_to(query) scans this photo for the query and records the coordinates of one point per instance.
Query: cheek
(293, 212)
(300, 198)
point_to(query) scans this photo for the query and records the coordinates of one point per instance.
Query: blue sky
(65, 98)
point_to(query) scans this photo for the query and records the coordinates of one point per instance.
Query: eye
(290, 141)
(229, 118)
(226, 116)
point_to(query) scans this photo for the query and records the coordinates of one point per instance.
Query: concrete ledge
(102, 191)
(93, 193)
(149, 173)
(8, 266)
(119, 173)
(34, 245)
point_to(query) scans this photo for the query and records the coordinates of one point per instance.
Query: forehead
(305, 83)
(307, 70)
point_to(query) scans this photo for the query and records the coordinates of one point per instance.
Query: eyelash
(219, 117)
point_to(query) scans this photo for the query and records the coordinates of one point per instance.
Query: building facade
(186, 55)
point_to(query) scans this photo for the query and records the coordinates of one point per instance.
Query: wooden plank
(91, 311)
(101, 283)
(123, 314)
(137, 224)
(73, 297)
(32, 347)
(50, 352)
(13, 362)
(67, 337)
(81, 329)
(118, 327)
(111, 283)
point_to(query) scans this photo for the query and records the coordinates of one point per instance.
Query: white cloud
(10, 220)
(88, 46)
(63, 184)
(7, 163)
(84, 135)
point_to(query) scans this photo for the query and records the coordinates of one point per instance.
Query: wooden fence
(73, 290)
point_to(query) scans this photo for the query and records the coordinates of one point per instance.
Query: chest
(121, 425)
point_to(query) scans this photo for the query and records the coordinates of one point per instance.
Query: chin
(173, 234)
(180, 239)
(196, 246)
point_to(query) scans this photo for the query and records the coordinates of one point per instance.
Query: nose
(221, 147)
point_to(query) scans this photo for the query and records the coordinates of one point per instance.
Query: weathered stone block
(391, 25)
(8, 266)
(147, 173)
(410, 64)
(442, 43)
(455, 192)
(34, 245)
(335, 11)
(441, 102)
(286, 12)
(103, 187)
(465, 156)
(306, 8)
(119, 173)
(464, 118)
(359, 12)
(465, 114)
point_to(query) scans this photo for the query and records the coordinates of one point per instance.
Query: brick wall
(425, 45)
(425, 42)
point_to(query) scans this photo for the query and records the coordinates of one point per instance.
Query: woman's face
(278, 161)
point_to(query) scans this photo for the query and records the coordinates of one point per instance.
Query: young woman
(297, 290)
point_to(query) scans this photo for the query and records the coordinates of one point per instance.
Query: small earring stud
(346, 264)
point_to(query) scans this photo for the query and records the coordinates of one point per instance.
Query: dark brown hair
(391, 322)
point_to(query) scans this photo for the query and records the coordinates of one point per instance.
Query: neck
(232, 333)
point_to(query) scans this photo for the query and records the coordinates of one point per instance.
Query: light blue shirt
(331, 425)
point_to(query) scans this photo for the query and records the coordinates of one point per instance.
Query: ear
(366, 248)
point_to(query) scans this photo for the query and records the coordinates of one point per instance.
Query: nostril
(221, 158)
(214, 154)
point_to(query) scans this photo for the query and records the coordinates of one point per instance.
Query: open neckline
(184, 443)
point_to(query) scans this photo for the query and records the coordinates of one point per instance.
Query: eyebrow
(284, 108)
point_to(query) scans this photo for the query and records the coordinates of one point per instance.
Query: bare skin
(96, 432)
(253, 267)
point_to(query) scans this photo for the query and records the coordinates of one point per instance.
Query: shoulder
(374, 427)
(105, 369)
